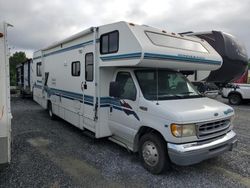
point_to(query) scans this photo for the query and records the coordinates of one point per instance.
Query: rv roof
(82, 33)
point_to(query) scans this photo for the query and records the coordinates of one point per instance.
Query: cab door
(123, 118)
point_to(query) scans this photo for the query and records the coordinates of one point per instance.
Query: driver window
(127, 86)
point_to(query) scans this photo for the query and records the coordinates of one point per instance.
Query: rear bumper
(192, 153)
(4, 150)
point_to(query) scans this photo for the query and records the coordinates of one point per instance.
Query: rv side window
(38, 69)
(127, 86)
(109, 42)
(76, 68)
(89, 60)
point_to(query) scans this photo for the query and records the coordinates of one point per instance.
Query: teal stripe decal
(38, 57)
(88, 99)
(186, 58)
(136, 55)
(152, 56)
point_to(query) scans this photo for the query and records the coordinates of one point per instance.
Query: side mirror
(114, 89)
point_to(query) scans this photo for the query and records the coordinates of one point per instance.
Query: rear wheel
(234, 99)
(153, 153)
(51, 115)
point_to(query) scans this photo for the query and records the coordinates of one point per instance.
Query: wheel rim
(234, 99)
(150, 153)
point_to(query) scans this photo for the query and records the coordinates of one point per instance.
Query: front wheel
(234, 99)
(153, 153)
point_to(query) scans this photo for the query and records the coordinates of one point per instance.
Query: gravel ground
(47, 153)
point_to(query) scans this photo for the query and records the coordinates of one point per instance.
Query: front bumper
(192, 153)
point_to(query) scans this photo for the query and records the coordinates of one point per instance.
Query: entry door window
(89, 67)
(127, 86)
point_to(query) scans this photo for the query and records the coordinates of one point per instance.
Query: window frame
(72, 63)
(133, 83)
(175, 47)
(38, 73)
(101, 41)
(92, 66)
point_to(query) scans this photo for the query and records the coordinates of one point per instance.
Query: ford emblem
(216, 114)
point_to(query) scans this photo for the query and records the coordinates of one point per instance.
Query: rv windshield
(164, 84)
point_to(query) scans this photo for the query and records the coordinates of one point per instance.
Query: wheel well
(142, 131)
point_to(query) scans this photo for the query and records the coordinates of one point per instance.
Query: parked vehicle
(236, 93)
(208, 89)
(5, 112)
(233, 53)
(122, 81)
(24, 74)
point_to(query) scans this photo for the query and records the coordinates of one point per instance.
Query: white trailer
(24, 74)
(122, 81)
(5, 112)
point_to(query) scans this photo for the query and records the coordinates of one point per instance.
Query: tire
(153, 153)
(234, 99)
(50, 111)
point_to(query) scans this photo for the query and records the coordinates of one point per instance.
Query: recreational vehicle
(5, 114)
(24, 74)
(124, 81)
(233, 53)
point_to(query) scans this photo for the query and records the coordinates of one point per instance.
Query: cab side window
(127, 86)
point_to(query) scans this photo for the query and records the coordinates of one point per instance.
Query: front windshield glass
(164, 84)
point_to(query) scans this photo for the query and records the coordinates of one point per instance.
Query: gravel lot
(48, 153)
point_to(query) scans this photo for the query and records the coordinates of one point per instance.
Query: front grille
(212, 129)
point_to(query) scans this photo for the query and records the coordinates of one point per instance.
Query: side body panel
(5, 111)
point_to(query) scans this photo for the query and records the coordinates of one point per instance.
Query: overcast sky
(37, 24)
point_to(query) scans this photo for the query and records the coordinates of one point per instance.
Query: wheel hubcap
(150, 153)
(234, 99)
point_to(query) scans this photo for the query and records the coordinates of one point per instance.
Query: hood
(195, 109)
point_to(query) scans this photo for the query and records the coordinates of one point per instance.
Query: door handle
(143, 108)
(85, 85)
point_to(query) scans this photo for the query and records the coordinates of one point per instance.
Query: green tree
(16, 58)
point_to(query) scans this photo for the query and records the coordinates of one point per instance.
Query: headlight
(183, 130)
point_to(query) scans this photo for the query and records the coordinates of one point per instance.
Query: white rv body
(5, 113)
(88, 105)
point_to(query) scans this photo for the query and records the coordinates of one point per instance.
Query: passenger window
(76, 68)
(89, 68)
(38, 69)
(109, 42)
(127, 86)
(178, 84)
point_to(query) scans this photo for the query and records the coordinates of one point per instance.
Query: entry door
(88, 85)
(124, 119)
